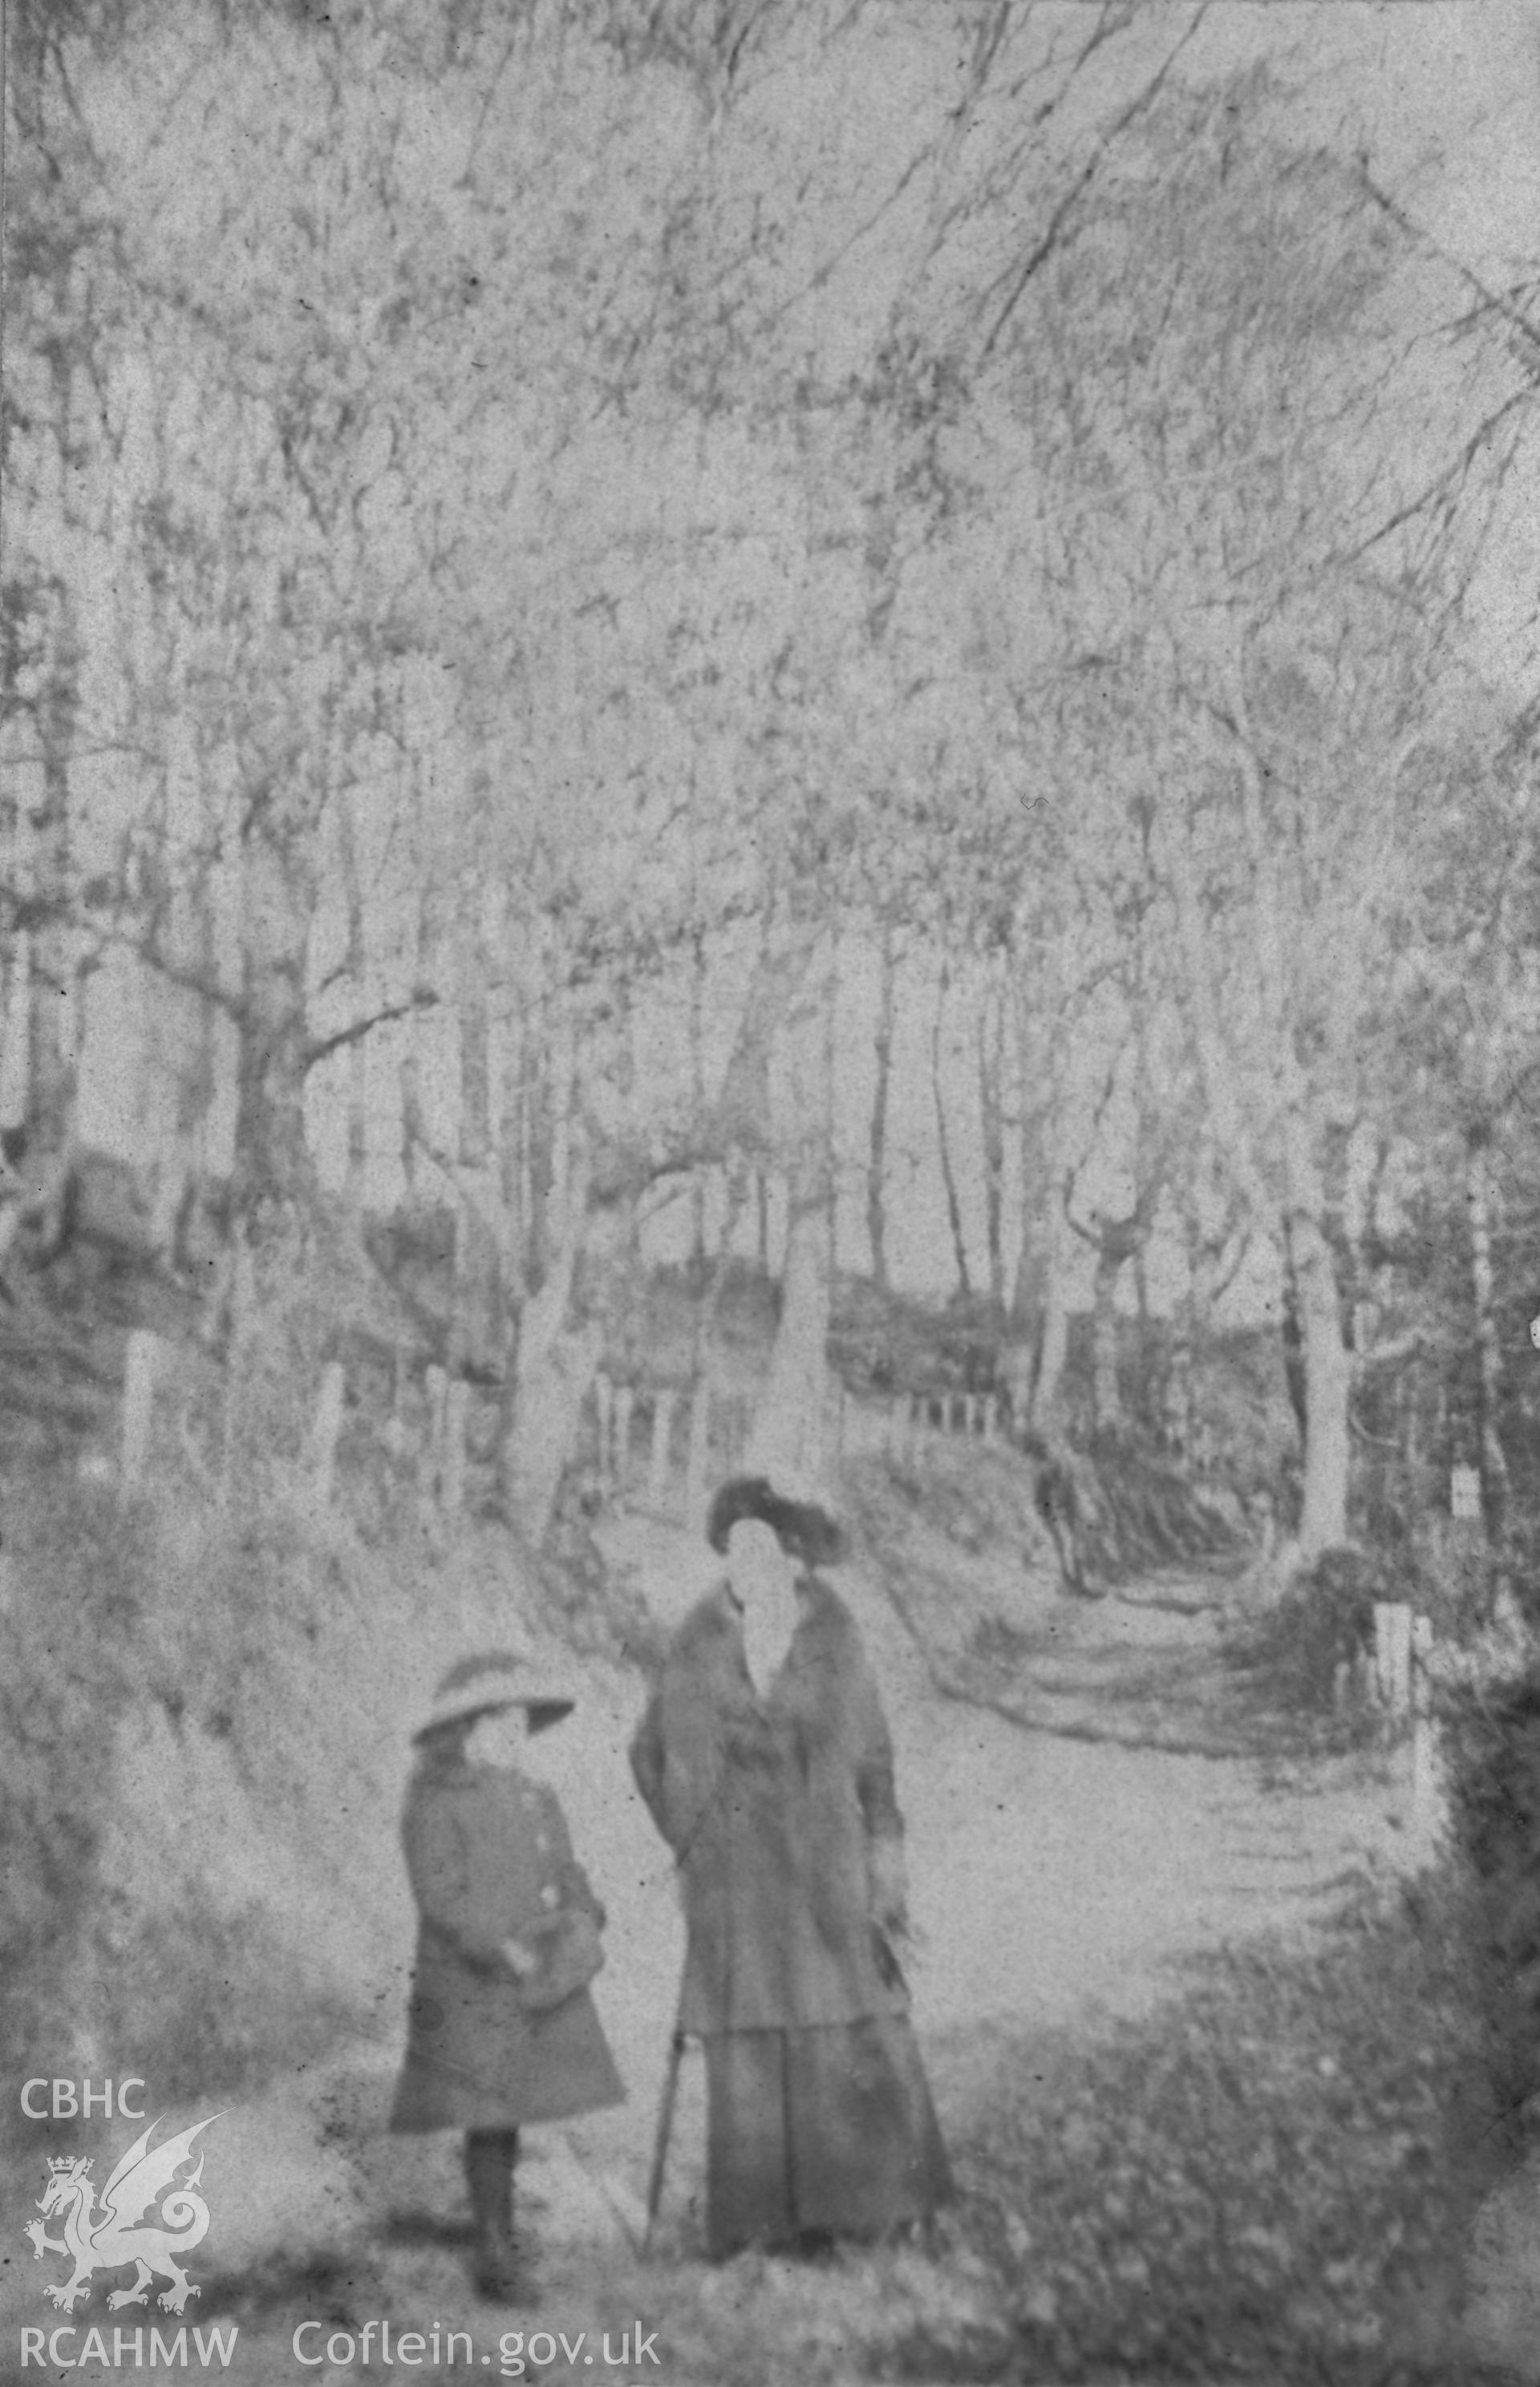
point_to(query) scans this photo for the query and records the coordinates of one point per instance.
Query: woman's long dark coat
(488, 1854)
(772, 1809)
(819, 2118)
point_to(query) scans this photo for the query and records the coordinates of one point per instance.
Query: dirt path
(1052, 1876)
(1053, 1880)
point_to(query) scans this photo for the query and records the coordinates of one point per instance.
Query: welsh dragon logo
(120, 2233)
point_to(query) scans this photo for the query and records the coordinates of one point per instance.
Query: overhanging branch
(1044, 249)
(320, 1048)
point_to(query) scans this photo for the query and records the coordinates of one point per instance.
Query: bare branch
(184, 974)
(319, 1048)
(1049, 242)
(1452, 472)
(1492, 301)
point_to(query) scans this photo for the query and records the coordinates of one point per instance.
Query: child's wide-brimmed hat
(804, 1531)
(490, 1681)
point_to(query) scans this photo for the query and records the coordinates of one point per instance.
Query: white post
(991, 1418)
(604, 1407)
(139, 1376)
(439, 1391)
(394, 1435)
(326, 1428)
(662, 1434)
(835, 1439)
(625, 1402)
(698, 1459)
(457, 1402)
(1429, 1818)
(1393, 1647)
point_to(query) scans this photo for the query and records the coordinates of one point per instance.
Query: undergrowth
(1268, 2178)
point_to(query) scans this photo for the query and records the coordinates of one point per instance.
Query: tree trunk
(272, 1160)
(478, 1327)
(992, 1065)
(429, 957)
(703, 1371)
(949, 1180)
(355, 1184)
(1055, 1348)
(511, 1172)
(1029, 1281)
(788, 1439)
(1107, 1402)
(475, 1051)
(540, 1147)
(1292, 1336)
(699, 1173)
(876, 1163)
(1328, 1372)
(1478, 1196)
(556, 1366)
(1179, 1394)
(16, 1032)
(52, 1019)
(1190, 1329)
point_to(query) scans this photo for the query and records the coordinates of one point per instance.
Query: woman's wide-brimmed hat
(493, 1679)
(804, 1531)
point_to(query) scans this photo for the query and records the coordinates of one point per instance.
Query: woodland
(738, 711)
(539, 539)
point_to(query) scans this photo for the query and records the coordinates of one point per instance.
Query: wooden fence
(655, 1446)
(662, 1449)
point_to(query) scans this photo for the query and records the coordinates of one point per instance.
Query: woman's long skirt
(827, 2131)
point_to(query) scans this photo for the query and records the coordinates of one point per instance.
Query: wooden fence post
(1430, 1790)
(438, 1384)
(663, 1435)
(625, 1402)
(604, 1411)
(1393, 1647)
(457, 1404)
(833, 1439)
(139, 1375)
(325, 1429)
(697, 1450)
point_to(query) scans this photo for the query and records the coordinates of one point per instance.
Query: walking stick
(664, 2132)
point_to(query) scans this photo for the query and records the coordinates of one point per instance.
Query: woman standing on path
(503, 2030)
(765, 1762)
